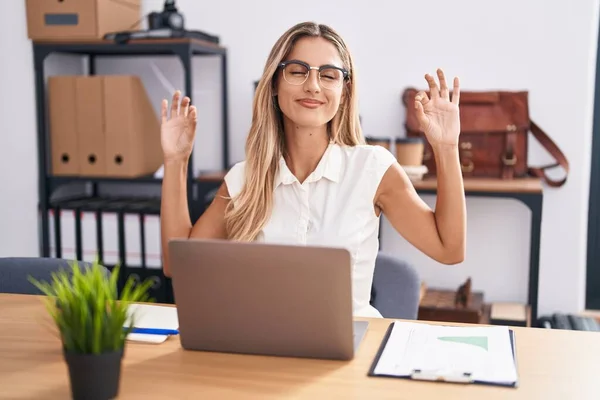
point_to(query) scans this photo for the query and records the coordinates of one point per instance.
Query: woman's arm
(177, 138)
(441, 234)
(175, 217)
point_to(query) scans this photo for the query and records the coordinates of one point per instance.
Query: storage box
(80, 19)
(440, 305)
(511, 314)
(102, 126)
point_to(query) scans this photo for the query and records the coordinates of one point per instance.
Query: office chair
(15, 272)
(396, 288)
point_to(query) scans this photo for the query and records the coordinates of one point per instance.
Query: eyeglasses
(296, 73)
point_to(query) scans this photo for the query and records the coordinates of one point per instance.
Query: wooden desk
(552, 364)
(481, 185)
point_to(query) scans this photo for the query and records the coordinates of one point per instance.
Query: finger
(422, 98)
(421, 117)
(163, 110)
(433, 88)
(175, 104)
(456, 91)
(185, 106)
(443, 86)
(193, 114)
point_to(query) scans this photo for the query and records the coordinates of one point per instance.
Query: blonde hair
(265, 142)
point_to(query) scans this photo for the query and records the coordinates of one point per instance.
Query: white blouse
(333, 207)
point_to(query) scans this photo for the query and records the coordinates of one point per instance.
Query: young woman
(308, 177)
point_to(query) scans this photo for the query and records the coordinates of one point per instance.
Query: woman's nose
(312, 83)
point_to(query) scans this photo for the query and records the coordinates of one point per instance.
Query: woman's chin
(302, 121)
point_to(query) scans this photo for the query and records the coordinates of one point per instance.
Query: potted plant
(93, 325)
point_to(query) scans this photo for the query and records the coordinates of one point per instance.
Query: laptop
(267, 299)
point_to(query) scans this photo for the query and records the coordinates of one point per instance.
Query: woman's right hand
(178, 130)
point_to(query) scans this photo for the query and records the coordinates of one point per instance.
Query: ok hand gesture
(438, 115)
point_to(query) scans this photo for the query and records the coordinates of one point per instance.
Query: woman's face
(314, 102)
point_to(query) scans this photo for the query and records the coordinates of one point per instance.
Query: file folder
(64, 141)
(437, 375)
(110, 234)
(132, 240)
(88, 236)
(89, 120)
(131, 128)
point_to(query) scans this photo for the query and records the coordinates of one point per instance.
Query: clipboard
(419, 375)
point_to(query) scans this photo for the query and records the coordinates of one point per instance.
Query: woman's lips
(310, 103)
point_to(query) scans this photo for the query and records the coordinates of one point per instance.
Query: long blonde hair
(250, 210)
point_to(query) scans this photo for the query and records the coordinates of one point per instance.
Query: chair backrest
(15, 272)
(396, 288)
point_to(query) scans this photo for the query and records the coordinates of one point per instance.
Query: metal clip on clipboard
(460, 377)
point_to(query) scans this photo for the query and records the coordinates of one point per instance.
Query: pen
(152, 331)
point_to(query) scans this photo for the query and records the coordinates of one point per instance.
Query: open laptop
(267, 299)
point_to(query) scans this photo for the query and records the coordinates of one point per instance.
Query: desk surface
(552, 364)
(521, 185)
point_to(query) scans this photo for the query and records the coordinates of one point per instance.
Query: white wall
(18, 157)
(546, 47)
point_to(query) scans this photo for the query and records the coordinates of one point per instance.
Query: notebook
(461, 354)
(162, 321)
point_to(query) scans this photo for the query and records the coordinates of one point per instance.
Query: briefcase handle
(553, 149)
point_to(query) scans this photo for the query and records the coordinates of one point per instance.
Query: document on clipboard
(461, 354)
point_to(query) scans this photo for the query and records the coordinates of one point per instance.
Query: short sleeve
(235, 178)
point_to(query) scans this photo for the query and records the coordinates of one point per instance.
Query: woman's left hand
(438, 115)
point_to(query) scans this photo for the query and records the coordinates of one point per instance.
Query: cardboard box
(511, 314)
(80, 19)
(102, 126)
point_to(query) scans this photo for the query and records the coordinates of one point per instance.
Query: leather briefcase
(493, 141)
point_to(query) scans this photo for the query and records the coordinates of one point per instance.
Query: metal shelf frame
(185, 50)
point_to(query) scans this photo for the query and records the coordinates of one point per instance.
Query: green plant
(86, 309)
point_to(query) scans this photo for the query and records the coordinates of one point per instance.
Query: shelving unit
(93, 200)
